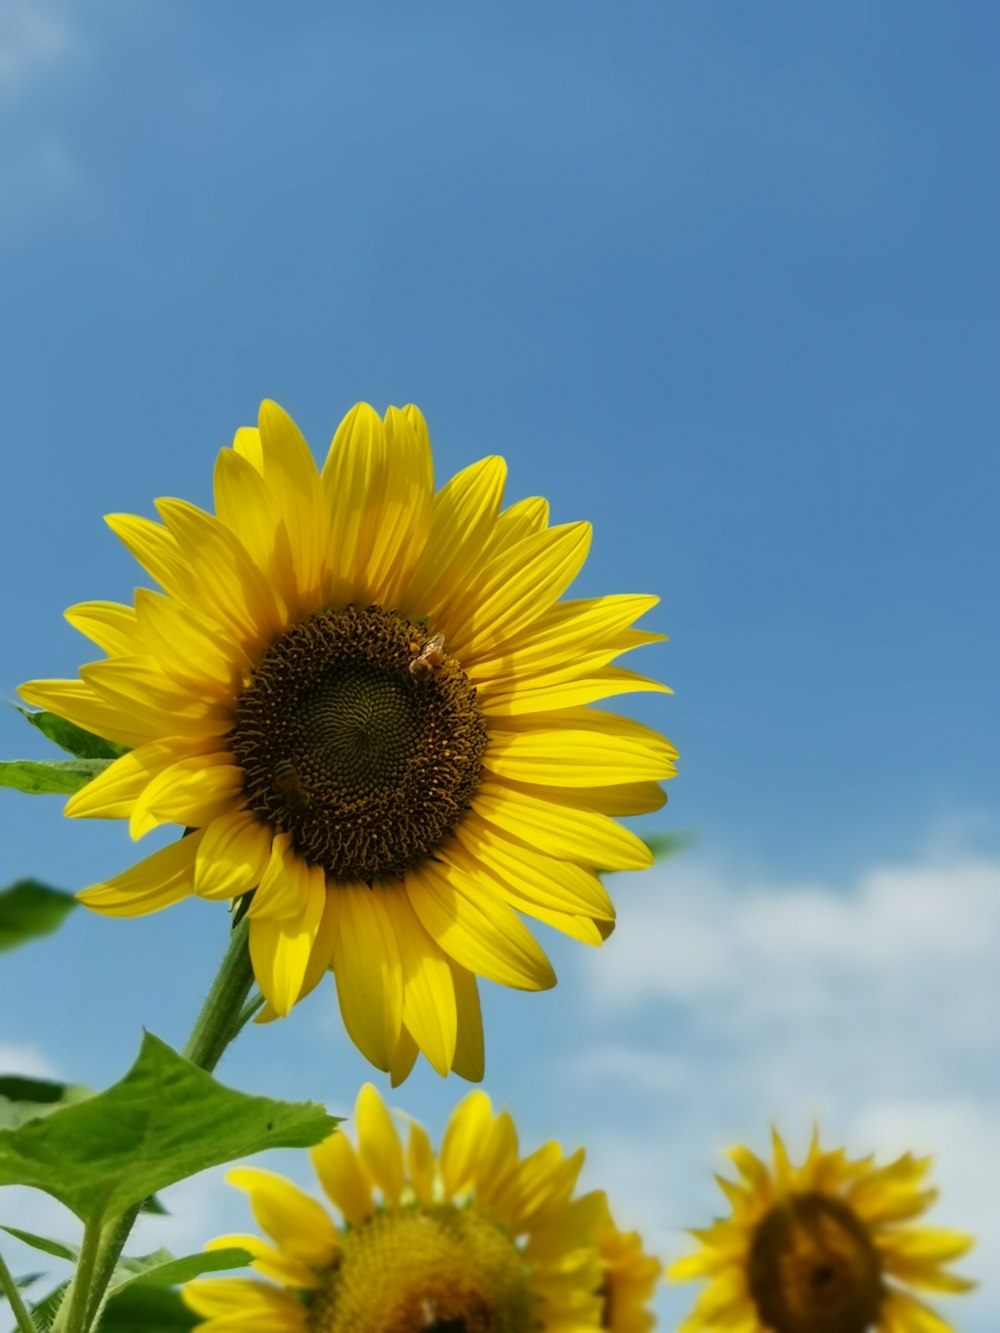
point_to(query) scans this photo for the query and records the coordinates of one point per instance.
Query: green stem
(73, 1311)
(10, 1289)
(222, 1016)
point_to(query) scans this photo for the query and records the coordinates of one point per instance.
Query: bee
(288, 781)
(427, 661)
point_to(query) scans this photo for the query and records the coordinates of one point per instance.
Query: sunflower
(630, 1278)
(367, 703)
(822, 1248)
(477, 1238)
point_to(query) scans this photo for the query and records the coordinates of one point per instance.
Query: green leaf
(165, 1120)
(153, 1205)
(71, 738)
(161, 1269)
(50, 777)
(142, 1309)
(29, 910)
(665, 845)
(45, 1311)
(57, 1248)
(24, 1099)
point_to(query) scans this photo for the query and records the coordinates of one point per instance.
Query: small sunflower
(367, 702)
(477, 1238)
(630, 1278)
(822, 1248)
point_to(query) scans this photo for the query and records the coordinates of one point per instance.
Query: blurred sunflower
(477, 1239)
(630, 1278)
(370, 706)
(822, 1248)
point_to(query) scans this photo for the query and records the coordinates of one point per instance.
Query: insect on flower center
(447, 1270)
(362, 738)
(814, 1269)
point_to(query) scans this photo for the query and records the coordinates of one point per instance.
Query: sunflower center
(361, 738)
(441, 1271)
(814, 1269)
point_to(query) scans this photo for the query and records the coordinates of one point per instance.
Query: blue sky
(722, 279)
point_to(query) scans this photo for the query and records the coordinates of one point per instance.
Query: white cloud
(25, 1060)
(720, 1006)
(36, 38)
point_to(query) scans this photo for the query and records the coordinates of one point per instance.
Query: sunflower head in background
(826, 1247)
(629, 1282)
(369, 704)
(476, 1239)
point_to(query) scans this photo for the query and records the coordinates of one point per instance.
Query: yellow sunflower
(822, 1248)
(369, 704)
(477, 1239)
(630, 1278)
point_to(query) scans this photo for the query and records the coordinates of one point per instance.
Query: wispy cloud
(36, 39)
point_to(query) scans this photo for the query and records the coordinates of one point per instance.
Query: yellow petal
(517, 587)
(77, 702)
(379, 1147)
(292, 478)
(271, 1262)
(109, 625)
(459, 1148)
(232, 857)
(379, 483)
(113, 793)
(246, 506)
(368, 971)
(559, 886)
(470, 1051)
(585, 836)
(188, 648)
(476, 929)
(280, 949)
(193, 791)
(523, 697)
(229, 586)
(420, 1163)
(287, 883)
(155, 549)
(346, 1184)
(623, 798)
(154, 883)
(241, 1303)
(463, 514)
(429, 1011)
(136, 685)
(901, 1313)
(404, 1057)
(561, 635)
(294, 1220)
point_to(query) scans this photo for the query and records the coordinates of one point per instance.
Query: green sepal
(50, 777)
(71, 738)
(164, 1121)
(665, 845)
(29, 910)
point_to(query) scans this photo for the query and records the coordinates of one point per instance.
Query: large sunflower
(368, 703)
(822, 1248)
(478, 1239)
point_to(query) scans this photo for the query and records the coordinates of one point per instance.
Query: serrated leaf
(29, 910)
(44, 1311)
(165, 1120)
(142, 1309)
(50, 777)
(71, 738)
(57, 1248)
(27, 1280)
(161, 1269)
